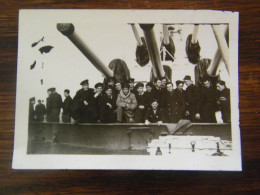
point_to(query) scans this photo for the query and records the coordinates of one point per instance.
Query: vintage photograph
(122, 86)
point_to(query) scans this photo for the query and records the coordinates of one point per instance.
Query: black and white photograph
(127, 89)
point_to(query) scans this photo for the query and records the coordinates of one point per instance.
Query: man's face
(158, 83)
(220, 87)
(131, 84)
(149, 88)
(66, 94)
(206, 84)
(187, 82)
(169, 87)
(180, 86)
(125, 91)
(49, 93)
(164, 81)
(109, 92)
(111, 82)
(154, 105)
(118, 86)
(140, 90)
(99, 89)
(85, 87)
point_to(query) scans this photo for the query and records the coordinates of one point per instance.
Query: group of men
(126, 102)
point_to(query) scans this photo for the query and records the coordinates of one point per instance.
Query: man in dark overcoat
(54, 105)
(223, 100)
(83, 104)
(66, 106)
(192, 100)
(40, 111)
(108, 106)
(208, 102)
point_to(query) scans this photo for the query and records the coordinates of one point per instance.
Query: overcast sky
(64, 67)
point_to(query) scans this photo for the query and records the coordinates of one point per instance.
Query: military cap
(139, 85)
(125, 85)
(98, 85)
(130, 80)
(108, 87)
(187, 77)
(84, 82)
(179, 82)
(171, 28)
(32, 99)
(109, 79)
(149, 84)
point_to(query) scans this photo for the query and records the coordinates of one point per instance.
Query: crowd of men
(158, 102)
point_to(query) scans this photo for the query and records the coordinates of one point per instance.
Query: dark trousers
(66, 118)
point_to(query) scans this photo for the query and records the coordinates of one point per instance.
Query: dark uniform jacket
(31, 113)
(153, 116)
(97, 105)
(107, 113)
(66, 105)
(174, 106)
(80, 111)
(193, 101)
(54, 104)
(149, 96)
(140, 113)
(208, 105)
(158, 94)
(224, 105)
(40, 110)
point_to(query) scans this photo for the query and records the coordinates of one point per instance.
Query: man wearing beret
(83, 104)
(192, 100)
(108, 106)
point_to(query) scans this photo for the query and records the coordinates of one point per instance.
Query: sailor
(40, 111)
(108, 106)
(173, 105)
(31, 110)
(83, 104)
(180, 92)
(208, 102)
(153, 114)
(66, 107)
(149, 93)
(141, 101)
(118, 87)
(192, 100)
(126, 105)
(131, 83)
(54, 104)
(158, 92)
(97, 100)
(223, 100)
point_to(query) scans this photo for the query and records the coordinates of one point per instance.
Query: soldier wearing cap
(141, 103)
(223, 100)
(40, 111)
(126, 104)
(66, 106)
(158, 91)
(99, 93)
(131, 83)
(108, 106)
(149, 93)
(54, 104)
(31, 110)
(180, 92)
(174, 106)
(192, 100)
(111, 81)
(208, 103)
(83, 104)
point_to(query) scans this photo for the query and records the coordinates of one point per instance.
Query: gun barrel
(153, 49)
(68, 30)
(213, 68)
